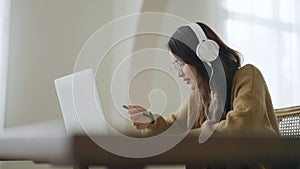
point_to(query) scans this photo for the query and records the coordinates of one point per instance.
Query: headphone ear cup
(208, 50)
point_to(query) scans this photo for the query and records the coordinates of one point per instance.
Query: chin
(192, 87)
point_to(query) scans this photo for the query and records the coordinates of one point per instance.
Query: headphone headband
(198, 31)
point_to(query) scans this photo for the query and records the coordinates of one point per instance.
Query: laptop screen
(80, 104)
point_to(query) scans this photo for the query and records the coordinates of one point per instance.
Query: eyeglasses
(176, 67)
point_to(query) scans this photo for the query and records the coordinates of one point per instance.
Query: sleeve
(249, 113)
(161, 123)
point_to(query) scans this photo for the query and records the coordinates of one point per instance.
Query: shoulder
(247, 70)
(249, 78)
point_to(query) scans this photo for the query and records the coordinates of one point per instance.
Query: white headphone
(207, 50)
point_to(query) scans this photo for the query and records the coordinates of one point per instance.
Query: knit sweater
(251, 109)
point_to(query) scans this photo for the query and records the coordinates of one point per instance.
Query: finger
(135, 110)
(139, 118)
(136, 106)
(136, 117)
(133, 105)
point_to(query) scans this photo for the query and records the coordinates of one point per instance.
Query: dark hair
(184, 51)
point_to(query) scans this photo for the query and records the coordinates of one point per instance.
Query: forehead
(173, 57)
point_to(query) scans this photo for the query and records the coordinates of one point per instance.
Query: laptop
(80, 103)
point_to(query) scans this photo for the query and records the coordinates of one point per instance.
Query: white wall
(4, 39)
(46, 37)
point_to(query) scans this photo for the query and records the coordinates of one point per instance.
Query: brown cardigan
(252, 110)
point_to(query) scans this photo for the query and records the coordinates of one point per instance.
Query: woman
(246, 108)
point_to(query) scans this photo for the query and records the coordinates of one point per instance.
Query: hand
(140, 117)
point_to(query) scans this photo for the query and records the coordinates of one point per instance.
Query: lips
(187, 80)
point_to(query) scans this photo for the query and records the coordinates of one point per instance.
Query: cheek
(186, 70)
(194, 71)
(190, 72)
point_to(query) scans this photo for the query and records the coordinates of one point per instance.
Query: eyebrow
(178, 61)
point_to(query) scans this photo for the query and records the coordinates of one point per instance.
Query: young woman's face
(187, 72)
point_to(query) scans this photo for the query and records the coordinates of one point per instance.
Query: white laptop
(80, 104)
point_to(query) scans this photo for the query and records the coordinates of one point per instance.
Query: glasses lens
(176, 67)
(173, 68)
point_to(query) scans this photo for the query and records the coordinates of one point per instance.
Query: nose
(180, 74)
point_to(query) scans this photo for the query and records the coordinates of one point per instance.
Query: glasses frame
(176, 67)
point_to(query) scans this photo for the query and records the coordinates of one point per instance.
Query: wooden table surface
(217, 151)
(81, 152)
